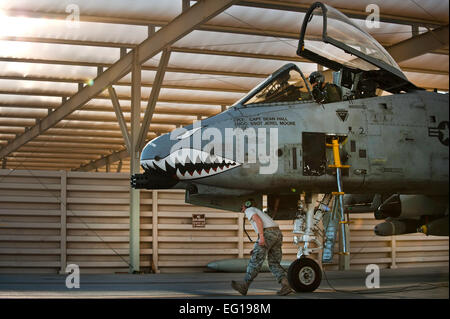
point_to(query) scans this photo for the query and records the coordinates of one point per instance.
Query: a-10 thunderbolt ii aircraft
(286, 140)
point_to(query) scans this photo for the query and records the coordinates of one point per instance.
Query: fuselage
(395, 143)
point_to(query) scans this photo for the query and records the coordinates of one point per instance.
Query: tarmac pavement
(428, 283)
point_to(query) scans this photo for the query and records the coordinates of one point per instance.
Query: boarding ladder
(339, 195)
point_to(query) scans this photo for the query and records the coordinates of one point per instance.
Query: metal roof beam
(78, 150)
(106, 97)
(183, 87)
(144, 67)
(242, 54)
(142, 135)
(120, 83)
(44, 154)
(172, 32)
(123, 46)
(76, 124)
(120, 117)
(420, 44)
(101, 118)
(351, 13)
(175, 49)
(267, 4)
(112, 158)
(161, 109)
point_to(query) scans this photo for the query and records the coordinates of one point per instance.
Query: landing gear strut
(304, 274)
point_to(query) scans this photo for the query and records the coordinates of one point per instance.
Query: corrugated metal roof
(43, 58)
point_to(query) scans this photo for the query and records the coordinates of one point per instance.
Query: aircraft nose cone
(159, 174)
(157, 149)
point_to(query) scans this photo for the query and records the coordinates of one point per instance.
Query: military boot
(285, 288)
(241, 287)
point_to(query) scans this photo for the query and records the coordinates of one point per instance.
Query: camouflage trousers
(271, 250)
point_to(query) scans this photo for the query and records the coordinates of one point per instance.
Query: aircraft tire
(304, 275)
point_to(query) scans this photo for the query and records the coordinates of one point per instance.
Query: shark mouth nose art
(189, 164)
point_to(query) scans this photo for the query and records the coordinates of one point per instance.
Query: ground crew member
(324, 92)
(268, 245)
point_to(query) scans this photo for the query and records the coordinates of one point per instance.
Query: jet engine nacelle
(411, 207)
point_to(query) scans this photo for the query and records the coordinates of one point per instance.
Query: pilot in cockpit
(324, 92)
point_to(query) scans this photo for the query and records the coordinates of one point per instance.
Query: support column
(120, 117)
(63, 222)
(155, 255)
(134, 164)
(393, 252)
(156, 88)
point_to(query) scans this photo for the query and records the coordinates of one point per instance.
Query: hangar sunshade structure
(84, 85)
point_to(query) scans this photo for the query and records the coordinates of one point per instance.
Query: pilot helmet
(316, 76)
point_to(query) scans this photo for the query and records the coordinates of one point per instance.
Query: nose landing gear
(304, 274)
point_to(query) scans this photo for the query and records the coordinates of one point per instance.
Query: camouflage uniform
(272, 249)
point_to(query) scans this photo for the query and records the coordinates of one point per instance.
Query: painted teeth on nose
(181, 159)
(151, 164)
(207, 160)
(161, 164)
(171, 161)
(190, 156)
(205, 157)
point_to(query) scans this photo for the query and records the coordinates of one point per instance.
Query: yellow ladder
(340, 193)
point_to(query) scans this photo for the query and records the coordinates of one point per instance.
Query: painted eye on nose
(157, 158)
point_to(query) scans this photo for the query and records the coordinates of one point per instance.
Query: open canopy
(338, 43)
